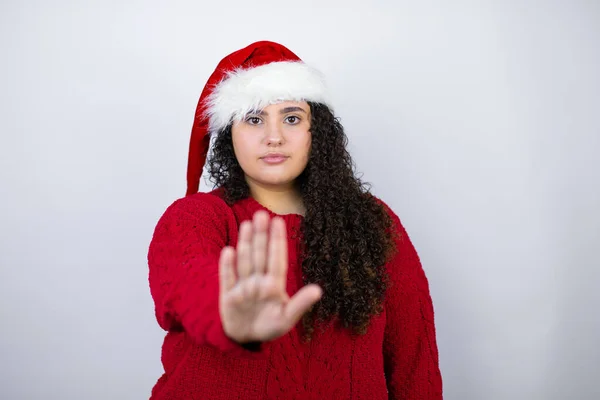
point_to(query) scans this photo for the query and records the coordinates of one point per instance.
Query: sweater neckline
(291, 218)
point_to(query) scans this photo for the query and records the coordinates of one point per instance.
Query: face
(273, 145)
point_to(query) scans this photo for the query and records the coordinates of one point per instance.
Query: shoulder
(397, 227)
(201, 203)
(207, 211)
(405, 264)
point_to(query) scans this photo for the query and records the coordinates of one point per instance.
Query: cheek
(242, 148)
(305, 147)
(301, 151)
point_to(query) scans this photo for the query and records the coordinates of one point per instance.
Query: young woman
(289, 280)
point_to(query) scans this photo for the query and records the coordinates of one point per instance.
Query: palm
(259, 319)
(253, 300)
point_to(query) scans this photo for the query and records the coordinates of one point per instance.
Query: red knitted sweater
(396, 359)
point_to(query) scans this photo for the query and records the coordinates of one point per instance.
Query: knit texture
(396, 359)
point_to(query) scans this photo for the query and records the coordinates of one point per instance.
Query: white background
(478, 122)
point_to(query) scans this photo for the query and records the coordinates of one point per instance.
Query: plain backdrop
(477, 121)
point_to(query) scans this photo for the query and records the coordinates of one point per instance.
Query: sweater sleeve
(183, 271)
(410, 348)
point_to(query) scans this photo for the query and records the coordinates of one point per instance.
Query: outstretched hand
(253, 301)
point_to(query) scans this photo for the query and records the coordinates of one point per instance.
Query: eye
(293, 120)
(253, 120)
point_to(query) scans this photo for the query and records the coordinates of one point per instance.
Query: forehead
(287, 104)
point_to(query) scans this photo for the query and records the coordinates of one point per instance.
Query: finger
(300, 303)
(260, 237)
(226, 269)
(277, 264)
(244, 250)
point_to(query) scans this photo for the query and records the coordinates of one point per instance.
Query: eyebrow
(284, 111)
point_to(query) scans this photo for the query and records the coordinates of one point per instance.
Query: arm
(410, 348)
(183, 271)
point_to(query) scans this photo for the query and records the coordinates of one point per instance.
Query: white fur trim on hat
(247, 90)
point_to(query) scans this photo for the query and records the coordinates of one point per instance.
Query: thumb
(301, 302)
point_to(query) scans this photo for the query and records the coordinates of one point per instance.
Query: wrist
(252, 346)
(248, 344)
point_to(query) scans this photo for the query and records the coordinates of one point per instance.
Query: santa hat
(248, 80)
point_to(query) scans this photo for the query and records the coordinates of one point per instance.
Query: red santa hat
(248, 80)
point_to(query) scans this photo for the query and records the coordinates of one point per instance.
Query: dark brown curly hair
(346, 236)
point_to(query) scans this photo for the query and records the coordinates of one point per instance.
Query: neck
(281, 199)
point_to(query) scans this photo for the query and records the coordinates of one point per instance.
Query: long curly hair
(346, 237)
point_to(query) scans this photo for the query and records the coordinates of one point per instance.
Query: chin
(275, 180)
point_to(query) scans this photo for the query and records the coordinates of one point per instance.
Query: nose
(274, 135)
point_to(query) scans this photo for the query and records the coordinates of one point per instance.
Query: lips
(274, 158)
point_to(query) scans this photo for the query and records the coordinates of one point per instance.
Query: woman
(289, 280)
